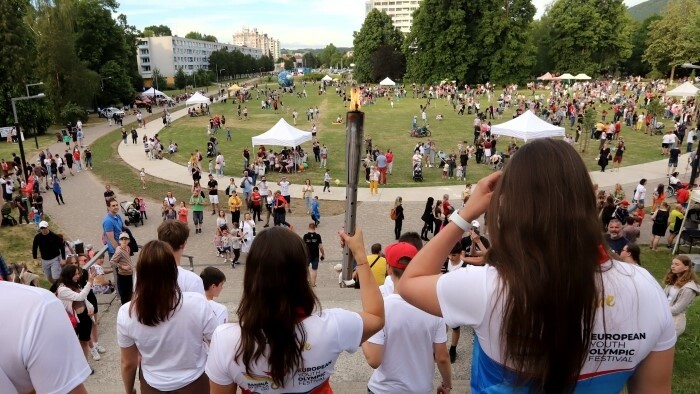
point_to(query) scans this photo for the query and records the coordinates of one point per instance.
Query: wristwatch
(460, 222)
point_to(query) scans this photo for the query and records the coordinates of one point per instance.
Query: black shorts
(84, 329)
(288, 199)
(314, 263)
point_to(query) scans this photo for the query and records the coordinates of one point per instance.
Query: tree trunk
(673, 71)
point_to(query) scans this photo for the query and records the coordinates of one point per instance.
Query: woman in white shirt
(551, 310)
(165, 327)
(75, 302)
(170, 199)
(280, 345)
(248, 232)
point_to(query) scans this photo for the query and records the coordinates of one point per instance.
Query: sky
(296, 23)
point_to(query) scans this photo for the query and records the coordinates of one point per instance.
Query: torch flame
(355, 98)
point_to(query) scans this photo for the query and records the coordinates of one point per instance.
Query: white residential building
(400, 11)
(252, 38)
(168, 54)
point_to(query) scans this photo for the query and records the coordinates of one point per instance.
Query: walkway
(174, 172)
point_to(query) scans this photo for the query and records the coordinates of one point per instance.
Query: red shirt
(389, 157)
(255, 197)
(682, 196)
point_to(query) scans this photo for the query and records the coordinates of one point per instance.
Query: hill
(646, 9)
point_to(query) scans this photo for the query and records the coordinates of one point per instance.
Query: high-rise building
(400, 11)
(168, 54)
(252, 38)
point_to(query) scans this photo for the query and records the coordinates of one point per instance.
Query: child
(445, 169)
(236, 237)
(142, 208)
(170, 213)
(37, 217)
(226, 241)
(315, 211)
(142, 175)
(228, 134)
(213, 280)
(211, 167)
(327, 181)
(182, 212)
(218, 243)
(460, 172)
(164, 209)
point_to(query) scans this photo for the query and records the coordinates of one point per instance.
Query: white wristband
(460, 222)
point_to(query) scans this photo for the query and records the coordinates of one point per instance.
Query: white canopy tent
(153, 92)
(387, 82)
(565, 76)
(582, 76)
(282, 134)
(546, 77)
(527, 127)
(686, 89)
(197, 98)
(327, 78)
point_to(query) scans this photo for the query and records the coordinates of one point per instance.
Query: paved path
(80, 218)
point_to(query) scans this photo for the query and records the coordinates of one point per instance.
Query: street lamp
(694, 164)
(32, 84)
(220, 71)
(19, 131)
(102, 83)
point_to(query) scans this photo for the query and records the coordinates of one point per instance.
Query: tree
(195, 35)
(158, 81)
(588, 36)
(130, 36)
(388, 62)
(180, 78)
(377, 30)
(671, 40)
(310, 60)
(289, 64)
(265, 63)
(328, 56)
(115, 84)
(159, 31)
(635, 65)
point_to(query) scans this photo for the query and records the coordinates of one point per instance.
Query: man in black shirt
(315, 247)
(53, 254)
(69, 161)
(109, 193)
(213, 194)
(474, 245)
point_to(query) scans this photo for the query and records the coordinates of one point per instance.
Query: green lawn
(388, 127)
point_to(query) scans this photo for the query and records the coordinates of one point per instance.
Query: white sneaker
(95, 354)
(100, 348)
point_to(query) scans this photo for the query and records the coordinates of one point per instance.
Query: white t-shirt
(220, 312)
(284, 188)
(640, 192)
(189, 281)
(637, 321)
(669, 138)
(328, 334)
(387, 288)
(40, 350)
(173, 353)
(408, 334)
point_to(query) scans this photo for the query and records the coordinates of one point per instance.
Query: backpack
(392, 214)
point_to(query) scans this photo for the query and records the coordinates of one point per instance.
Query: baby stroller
(421, 132)
(131, 213)
(210, 149)
(417, 173)
(443, 158)
(7, 219)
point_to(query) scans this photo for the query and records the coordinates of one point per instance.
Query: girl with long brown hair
(551, 310)
(166, 327)
(681, 289)
(282, 342)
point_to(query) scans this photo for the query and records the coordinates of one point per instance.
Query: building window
(145, 68)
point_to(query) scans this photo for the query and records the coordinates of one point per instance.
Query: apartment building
(252, 38)
(400, 11)
(168, 54)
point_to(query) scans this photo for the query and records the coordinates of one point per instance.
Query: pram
(7, 219)
(421, 132)
(417, 173)
(131, 213)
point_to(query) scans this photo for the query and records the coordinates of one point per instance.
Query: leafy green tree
(310, 60)
(158, 81)
(588, 36)
(388, 62)
(671, 40)
(635, 65)
(130, 36)
(539, 34)
(180, 79)
(115, 84)
(377, 30)
(159, 31)
(204, 78)
(289, 64)
(328, 56)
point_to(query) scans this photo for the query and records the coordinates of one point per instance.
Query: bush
(72, 112)
(312, 77)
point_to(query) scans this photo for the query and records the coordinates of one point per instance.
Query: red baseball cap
(396, 251)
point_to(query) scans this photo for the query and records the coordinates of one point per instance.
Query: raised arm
(419, 281)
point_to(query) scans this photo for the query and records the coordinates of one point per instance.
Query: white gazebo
(282, 134)
(686, 89)
(582, 77)
(153, 92)
(546, 77)
(327, 78)
(197, 98)
(387, 82)
(527, 126)
(565, 76)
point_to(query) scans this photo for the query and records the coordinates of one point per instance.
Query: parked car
(109, 112)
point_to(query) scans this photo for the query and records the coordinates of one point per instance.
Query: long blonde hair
(398, 201)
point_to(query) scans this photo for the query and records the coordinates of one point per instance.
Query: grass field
(388, 127)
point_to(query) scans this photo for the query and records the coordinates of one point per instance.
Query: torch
(355, 121)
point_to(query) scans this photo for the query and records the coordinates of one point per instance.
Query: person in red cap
(408, 334)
